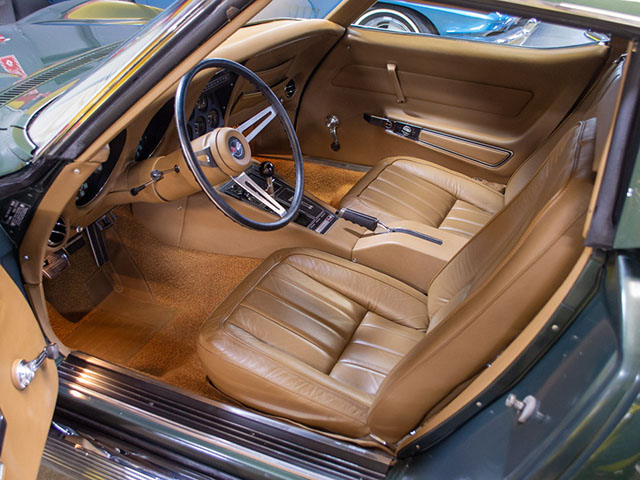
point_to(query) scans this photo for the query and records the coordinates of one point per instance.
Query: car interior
(447, 188)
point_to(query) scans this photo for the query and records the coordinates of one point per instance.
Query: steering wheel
(228, 149)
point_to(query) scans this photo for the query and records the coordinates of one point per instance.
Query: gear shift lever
(267, 170)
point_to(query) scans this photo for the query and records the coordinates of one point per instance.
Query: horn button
(236, 148)
(231, 150)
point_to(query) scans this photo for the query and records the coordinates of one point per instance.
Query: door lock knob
(526, 408)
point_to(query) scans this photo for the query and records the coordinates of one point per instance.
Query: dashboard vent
(58, 234)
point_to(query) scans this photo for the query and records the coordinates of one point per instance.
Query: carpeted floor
(143, 309)
(326, 182)
(155, 336)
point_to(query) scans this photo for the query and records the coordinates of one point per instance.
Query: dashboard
(207, 115)
(210, 109)
(283, 53)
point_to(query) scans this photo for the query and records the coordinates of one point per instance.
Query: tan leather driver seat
(336, 345)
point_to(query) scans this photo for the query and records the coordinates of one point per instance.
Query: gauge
(202, 104)
(96, 181)
(214, 118)
(200, 126)
(154, 132)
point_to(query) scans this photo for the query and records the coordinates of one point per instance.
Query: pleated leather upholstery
(311, 337)
(492, 288)
(332, 344)
(401, 188)
(404, 188)
(335, 345)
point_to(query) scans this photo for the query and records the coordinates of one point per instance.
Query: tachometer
(97, 180)
(202, 103)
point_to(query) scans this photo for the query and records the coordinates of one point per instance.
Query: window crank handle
(332, 123)
(23, 372)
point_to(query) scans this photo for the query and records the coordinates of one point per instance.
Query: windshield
(278, 9)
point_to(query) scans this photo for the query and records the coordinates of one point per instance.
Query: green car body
(587, 371)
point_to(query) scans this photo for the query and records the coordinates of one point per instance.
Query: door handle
(392, 70)
(23, 372)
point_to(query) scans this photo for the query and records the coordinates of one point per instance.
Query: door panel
(27, 412)
(474, 93)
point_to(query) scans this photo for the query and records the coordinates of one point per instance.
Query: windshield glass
(278, 9)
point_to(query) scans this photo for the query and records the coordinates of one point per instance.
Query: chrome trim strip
(252, 188)
(211, 432)
(269, 112)
(509, 153)
(63, 457)
(217, 448)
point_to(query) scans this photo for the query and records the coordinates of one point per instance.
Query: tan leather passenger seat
(406, 188)
(338, 346)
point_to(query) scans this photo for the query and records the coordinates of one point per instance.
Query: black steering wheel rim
(194, 165)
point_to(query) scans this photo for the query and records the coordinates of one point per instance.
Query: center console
(311, 215)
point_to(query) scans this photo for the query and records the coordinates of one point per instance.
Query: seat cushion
(310, 336)
(401, 188)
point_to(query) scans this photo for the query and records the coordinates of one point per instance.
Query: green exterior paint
(628, 233)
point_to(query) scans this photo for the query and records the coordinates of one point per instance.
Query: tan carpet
(326, 182)
(161, 294)
(69, 290)
(185, 286)
(118, 327)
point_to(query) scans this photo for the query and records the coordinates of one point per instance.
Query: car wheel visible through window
(395, 19)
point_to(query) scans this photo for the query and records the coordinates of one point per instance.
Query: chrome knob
(23, 372)
(332, 123)
(526, 408)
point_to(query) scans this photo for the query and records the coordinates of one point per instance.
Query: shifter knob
(267, 169)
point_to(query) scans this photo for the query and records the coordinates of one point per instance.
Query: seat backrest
(491, 289)
(599, 102)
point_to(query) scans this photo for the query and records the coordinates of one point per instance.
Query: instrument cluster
(211, 106)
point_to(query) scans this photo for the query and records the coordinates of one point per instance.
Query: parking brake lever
(364, 220)
(372, 223)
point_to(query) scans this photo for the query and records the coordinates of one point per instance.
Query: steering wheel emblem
(232, 152)
(236, 148)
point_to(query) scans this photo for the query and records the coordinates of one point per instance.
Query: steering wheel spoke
(210, 160)
(265, 115)
(253, 189)
(228, 149)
